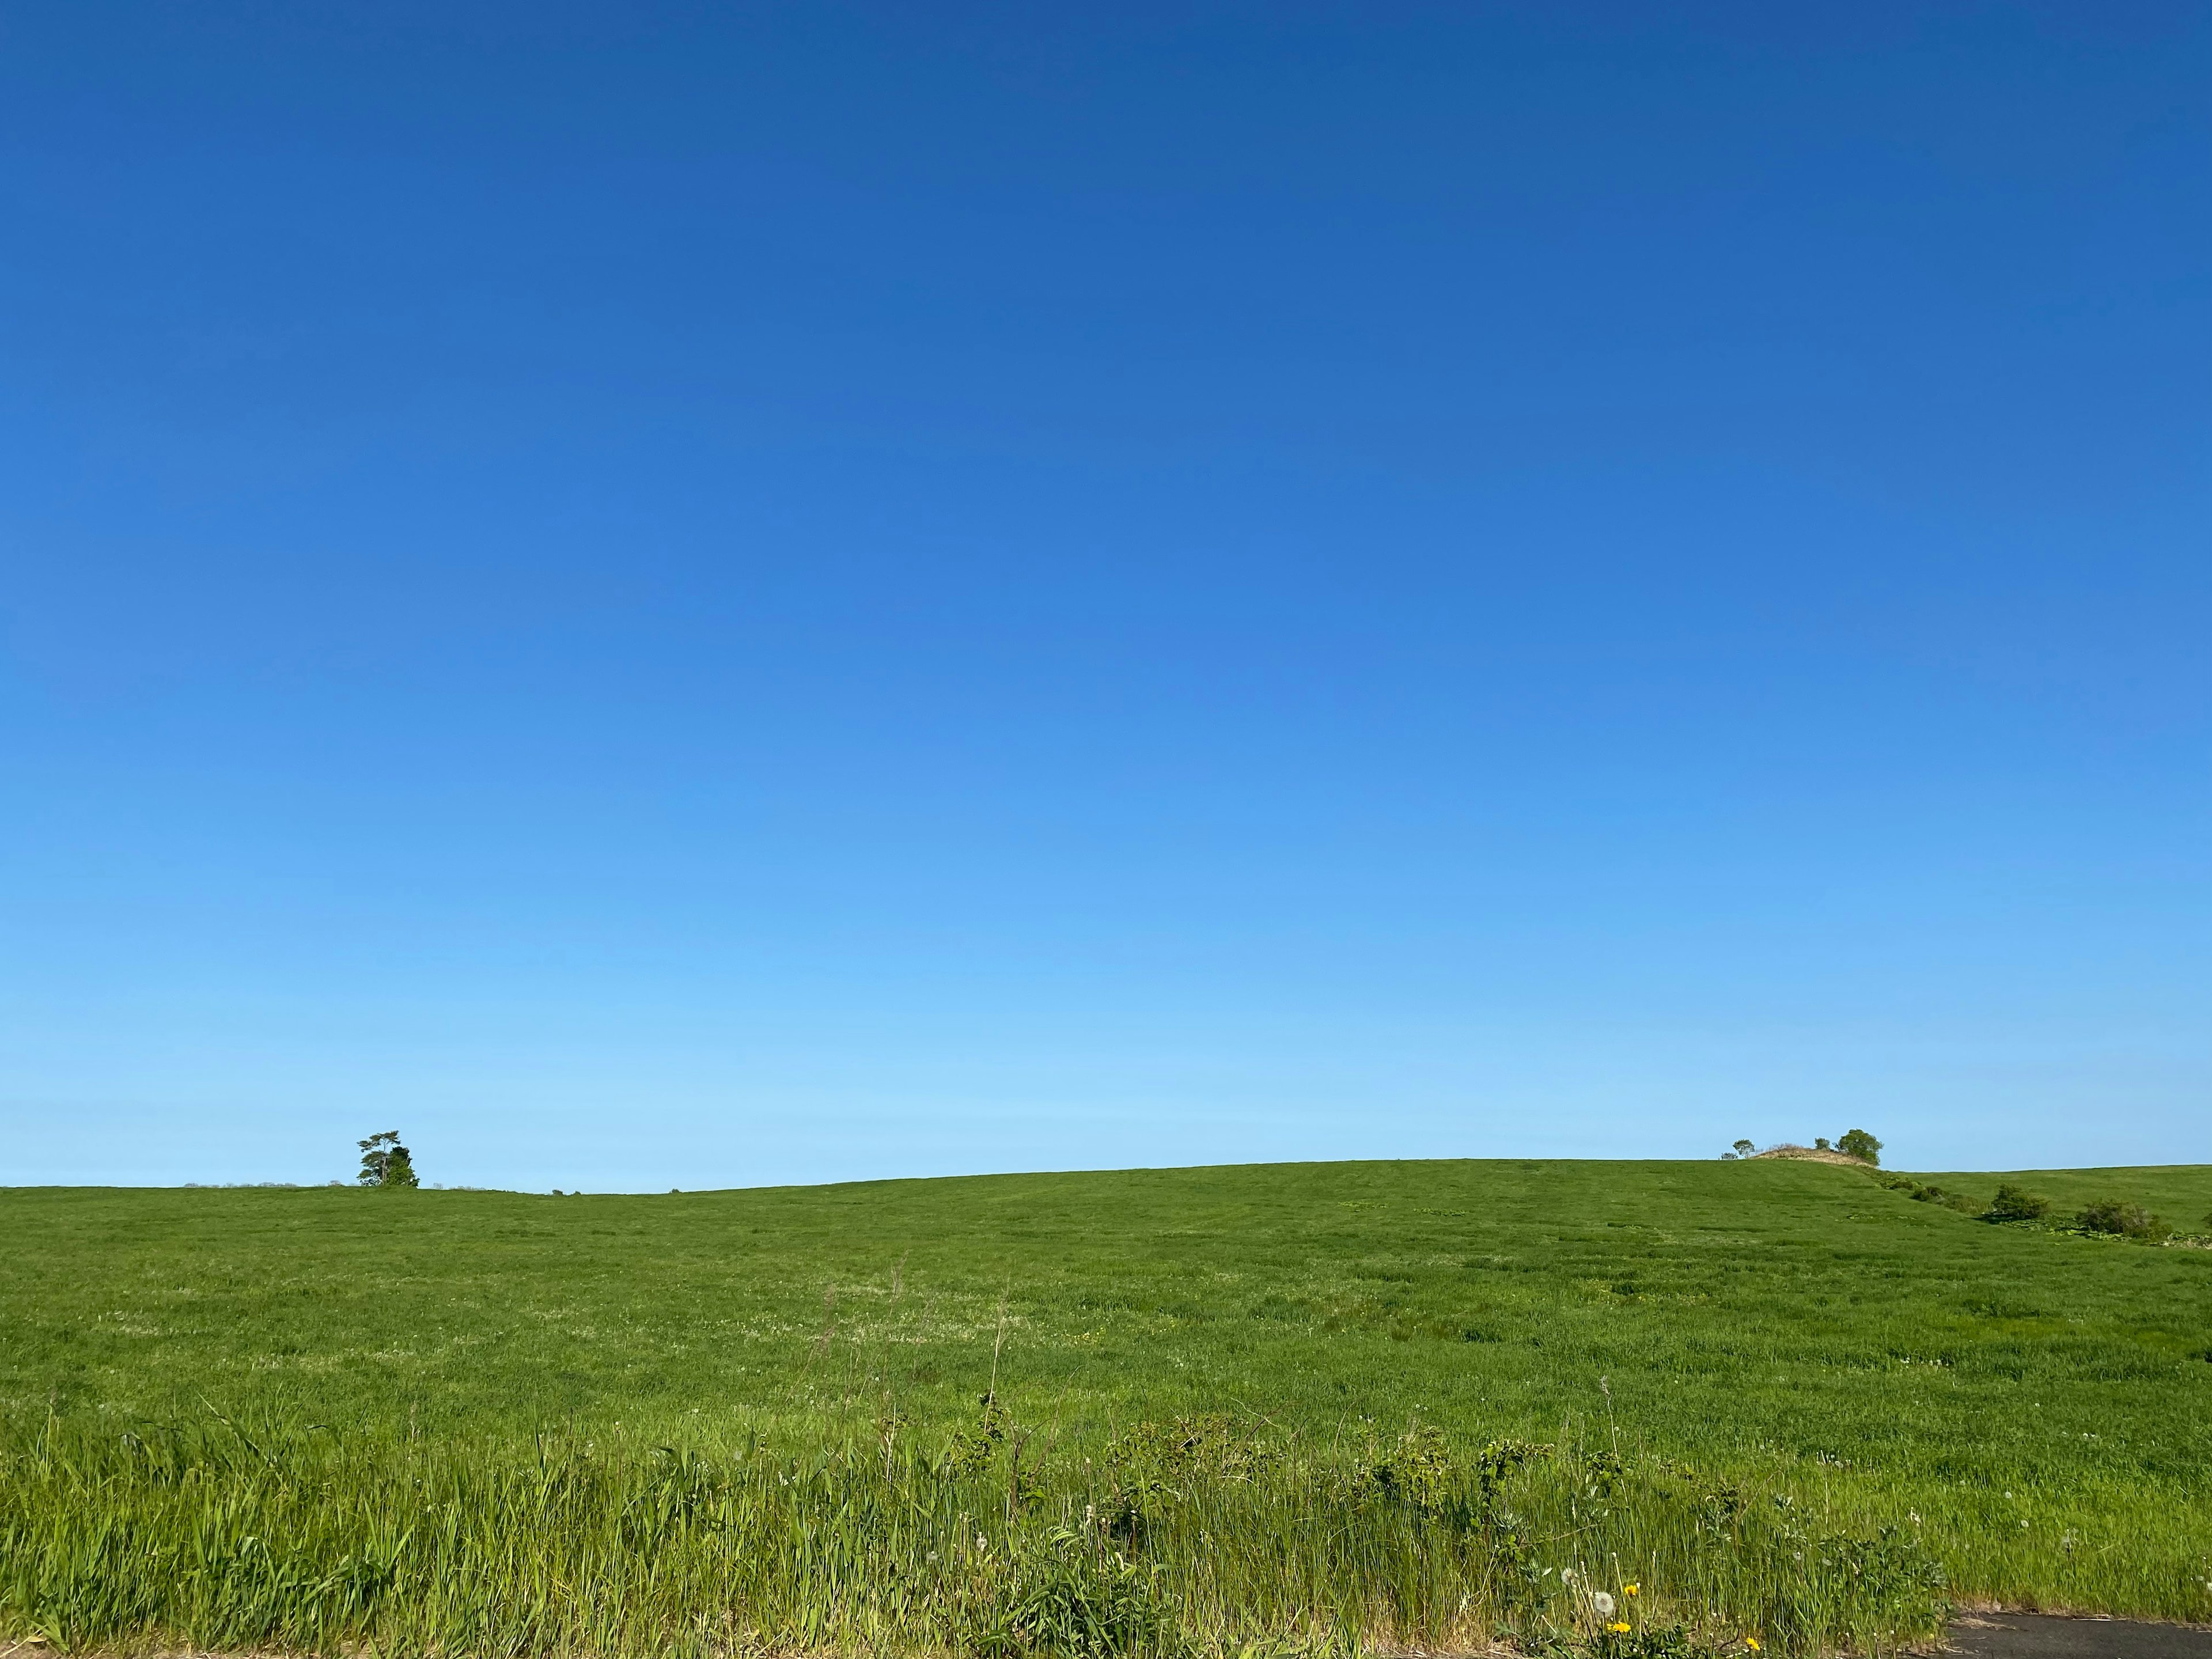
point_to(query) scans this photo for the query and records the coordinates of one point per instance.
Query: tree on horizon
(386, 1163)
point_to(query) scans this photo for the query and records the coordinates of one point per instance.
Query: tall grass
(1196, 1538)
(772, 1438)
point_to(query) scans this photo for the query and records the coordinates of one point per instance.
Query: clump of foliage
(1929, 1194)
(1858, 1143)
(2015, 1203)
(1622, 1640)
(1419, 1470)
(1742, 1149)
(972, 1449)
(1058, 1595)
(386, 1163)
(2112, 1215)
(1947, 1198)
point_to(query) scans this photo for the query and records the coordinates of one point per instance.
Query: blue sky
(695, 596)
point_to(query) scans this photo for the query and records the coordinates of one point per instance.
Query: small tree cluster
(386, 1163)
(1854, 1143)
(2016, 1203)
(1858, 1143)
(2110, 1215)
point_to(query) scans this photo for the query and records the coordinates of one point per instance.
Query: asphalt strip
(2046, 1636)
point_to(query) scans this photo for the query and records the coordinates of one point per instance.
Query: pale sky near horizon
(679, 596)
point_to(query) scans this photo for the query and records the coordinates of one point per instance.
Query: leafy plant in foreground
(1058, 1595)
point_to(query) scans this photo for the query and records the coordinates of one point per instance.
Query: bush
(2110, 1215)
(1062, 1598)
(1858, 1143)
(2016, 1203)
(1949, 1200)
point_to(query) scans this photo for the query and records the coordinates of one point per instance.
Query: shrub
(2016, 1203)
(1858, 1143)
(1062, 1598)
(1949, 1200)
(1419, 1470)
(2111, 1215)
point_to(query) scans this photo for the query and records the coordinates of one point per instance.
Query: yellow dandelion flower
(1617, 1626)
(1630, 1589)
(1752, 1642)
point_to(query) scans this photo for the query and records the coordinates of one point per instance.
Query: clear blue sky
(699, 595)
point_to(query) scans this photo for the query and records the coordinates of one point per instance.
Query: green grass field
(1779, 1399)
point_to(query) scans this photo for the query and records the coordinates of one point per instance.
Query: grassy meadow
(1296, 1408)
